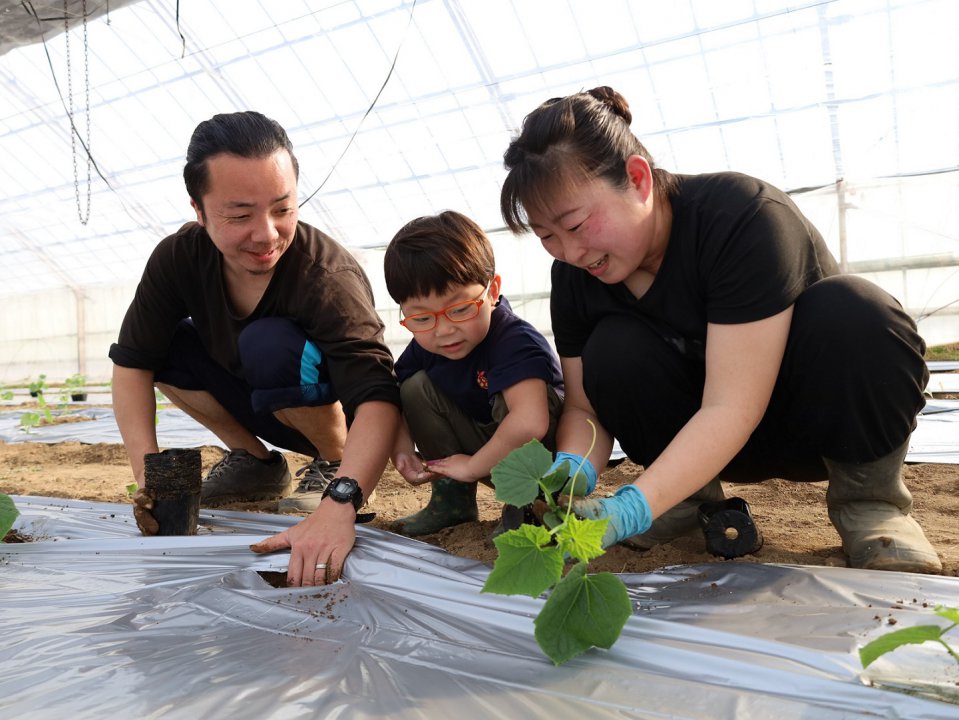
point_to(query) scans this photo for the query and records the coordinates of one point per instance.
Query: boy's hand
(413, 470)
(455, 467)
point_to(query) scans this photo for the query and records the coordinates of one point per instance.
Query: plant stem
(949, 650)
(592, 444)
(946, 646)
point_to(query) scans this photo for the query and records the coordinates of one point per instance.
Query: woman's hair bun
(613, 101)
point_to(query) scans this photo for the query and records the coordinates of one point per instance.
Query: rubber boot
(679, 520)
(869, 505)
(451, 503)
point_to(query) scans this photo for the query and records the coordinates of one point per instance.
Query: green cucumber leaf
(582, 539)
(576, 486)
(552, 520)
(556, 479)
(917, 635)
(583, 611)
(951, 614)
(8, 513)
(528, 562)
(516, 477)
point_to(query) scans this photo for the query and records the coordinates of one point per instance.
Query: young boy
(476, 381)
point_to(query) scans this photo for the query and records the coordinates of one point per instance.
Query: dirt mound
(791, 516)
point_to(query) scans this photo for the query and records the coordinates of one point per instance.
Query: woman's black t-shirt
(739, 250)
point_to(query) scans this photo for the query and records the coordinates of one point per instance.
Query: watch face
(345, 490)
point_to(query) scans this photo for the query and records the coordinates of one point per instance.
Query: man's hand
(627, 511)
(413, 470)
(319, 544)
(142, 505)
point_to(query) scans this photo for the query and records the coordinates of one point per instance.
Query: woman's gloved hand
(579, 468)
(627, 511)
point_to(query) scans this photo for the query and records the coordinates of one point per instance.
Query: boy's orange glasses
(458, 312)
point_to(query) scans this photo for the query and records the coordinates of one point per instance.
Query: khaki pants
(440, 428)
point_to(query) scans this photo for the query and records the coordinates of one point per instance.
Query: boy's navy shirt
(513, 350)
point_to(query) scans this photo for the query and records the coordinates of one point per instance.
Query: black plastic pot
(34, 393)
(729, 528)
(78, 397)
(173, 478)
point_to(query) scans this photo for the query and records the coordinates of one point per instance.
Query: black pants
(849, 388)
(282, 368)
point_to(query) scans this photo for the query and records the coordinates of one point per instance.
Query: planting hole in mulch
(276, 579)
(14, 536)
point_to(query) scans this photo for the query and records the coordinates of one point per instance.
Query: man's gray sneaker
(242, 477)
(308, 494)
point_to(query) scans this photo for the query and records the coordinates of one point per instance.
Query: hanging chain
(84, 218)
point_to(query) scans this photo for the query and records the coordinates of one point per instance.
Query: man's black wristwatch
(345, 490)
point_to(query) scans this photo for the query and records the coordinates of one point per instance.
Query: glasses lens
(419, 323)
(463, 311)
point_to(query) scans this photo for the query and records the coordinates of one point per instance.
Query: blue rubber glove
(628, 513)
(587, 472)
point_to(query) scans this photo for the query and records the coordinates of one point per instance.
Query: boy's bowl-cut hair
(433, 253)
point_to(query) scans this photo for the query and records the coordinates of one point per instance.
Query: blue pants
(849, 387)
(281, 368)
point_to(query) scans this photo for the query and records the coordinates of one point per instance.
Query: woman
(701, 321)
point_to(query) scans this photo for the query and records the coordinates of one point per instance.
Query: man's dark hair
(247, 134)
(434, 253)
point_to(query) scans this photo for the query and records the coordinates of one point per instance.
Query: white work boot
(679, 520)
(869, 505)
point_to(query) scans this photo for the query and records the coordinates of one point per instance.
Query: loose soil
(791, 516)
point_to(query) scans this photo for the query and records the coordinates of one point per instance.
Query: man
(260, 326)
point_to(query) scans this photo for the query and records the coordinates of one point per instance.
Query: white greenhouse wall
(38, 332)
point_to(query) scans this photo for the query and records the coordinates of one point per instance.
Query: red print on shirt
(481, 379)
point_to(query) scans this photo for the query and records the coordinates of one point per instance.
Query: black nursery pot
(729, 528)
(173, 477)
(78, 397)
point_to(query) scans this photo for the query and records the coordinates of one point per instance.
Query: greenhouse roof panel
(398, 108)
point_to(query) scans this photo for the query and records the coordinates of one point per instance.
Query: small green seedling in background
(73, 385)
(38, 386)
(917, 635)
(131, 489)
(5, 394)
(30, 420)
(8, 513)
(160, 398)
(44, 408)
(582, 611)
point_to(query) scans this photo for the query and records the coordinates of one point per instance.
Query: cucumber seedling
(8, 513)
(582, 611)
(916, 635)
